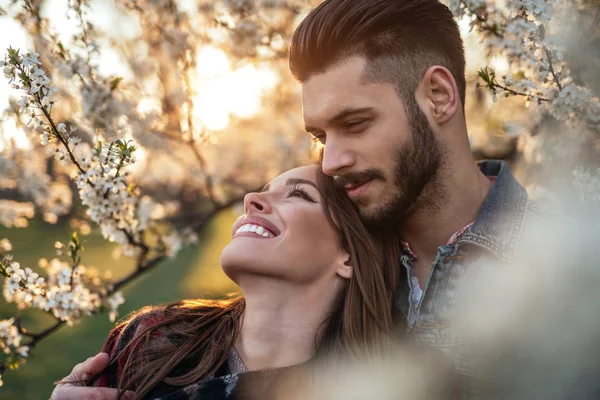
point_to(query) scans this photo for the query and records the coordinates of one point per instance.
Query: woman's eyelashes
(298, 191)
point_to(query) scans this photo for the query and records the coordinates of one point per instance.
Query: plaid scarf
(253, 385)
(223, 385)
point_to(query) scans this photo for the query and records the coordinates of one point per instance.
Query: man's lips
(357, 190)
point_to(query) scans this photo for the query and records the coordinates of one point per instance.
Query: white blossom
(541, 10)
(245, 37)
(15, 214)
(174, 243)
(45, 138)
(63, 292)
(38, 92)
(176, 240)
(23, 104)
(31, 60)
(240, 6)
(114, 302)
(10, 338)
(520, 34)
(59, 248)
(5, 245)
(74, 140)
(23, 351)
(587, 183)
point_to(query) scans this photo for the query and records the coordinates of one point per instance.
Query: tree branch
(142, 268)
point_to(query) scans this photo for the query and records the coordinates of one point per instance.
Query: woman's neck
(281, 323)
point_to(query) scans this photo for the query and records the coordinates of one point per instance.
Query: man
(383, 92)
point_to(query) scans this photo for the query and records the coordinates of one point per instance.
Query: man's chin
(380, 218)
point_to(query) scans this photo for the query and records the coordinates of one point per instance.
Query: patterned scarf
(231, 380)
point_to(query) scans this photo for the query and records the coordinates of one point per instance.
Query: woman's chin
(236, 260)
(248, 246)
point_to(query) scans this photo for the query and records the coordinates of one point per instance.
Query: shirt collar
(456, 236)
(497, 227)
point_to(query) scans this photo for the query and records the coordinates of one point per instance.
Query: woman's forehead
(308, 172)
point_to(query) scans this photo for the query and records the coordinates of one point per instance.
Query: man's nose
(335, 159)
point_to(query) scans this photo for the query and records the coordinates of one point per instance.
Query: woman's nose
(256, 202)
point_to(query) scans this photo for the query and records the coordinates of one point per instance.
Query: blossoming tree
(125, 148)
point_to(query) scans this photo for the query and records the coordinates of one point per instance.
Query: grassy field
(195, 272)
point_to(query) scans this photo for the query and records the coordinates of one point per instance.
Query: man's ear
(344, 268)
(440, 94)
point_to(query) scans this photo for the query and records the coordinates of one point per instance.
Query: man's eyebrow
(297, 181)
(341, 115)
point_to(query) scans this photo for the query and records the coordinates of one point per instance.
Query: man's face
(380, 154)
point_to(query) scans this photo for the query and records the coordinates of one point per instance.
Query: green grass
(195, 272)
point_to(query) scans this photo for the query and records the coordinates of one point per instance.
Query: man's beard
(416, 166)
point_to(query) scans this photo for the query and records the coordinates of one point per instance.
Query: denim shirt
(492, 240)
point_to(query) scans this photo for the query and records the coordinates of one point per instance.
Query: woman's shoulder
(156, 323)
(140, 320)
(156, 330)
(167, 322)
(150, 321)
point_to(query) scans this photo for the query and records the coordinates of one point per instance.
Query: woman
(314, 282)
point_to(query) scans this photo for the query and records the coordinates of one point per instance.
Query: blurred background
(204, 90)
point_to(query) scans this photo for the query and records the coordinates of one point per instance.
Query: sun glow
(223, 92)
(10, 134)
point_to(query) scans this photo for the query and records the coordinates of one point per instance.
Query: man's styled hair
(400, 40)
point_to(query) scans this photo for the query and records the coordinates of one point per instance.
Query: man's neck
(281, 324)
(425, 231)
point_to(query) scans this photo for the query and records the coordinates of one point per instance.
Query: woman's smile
(257, 227)
(253, 230)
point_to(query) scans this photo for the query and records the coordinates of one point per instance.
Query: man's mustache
(355, 178)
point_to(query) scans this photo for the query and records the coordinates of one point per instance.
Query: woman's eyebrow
(293, 181)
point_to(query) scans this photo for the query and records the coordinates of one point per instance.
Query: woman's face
(284, 233)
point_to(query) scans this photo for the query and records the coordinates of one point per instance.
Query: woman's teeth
(259, 230)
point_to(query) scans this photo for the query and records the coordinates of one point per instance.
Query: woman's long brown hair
(361, 324)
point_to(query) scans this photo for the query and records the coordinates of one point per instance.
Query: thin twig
(514, 92)
(483, 21)
(551, 69)
(64, 142)
(84, 36)
(208, 183)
